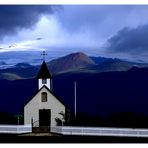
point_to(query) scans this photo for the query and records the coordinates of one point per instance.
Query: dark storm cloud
(76, 16)
(130, 40)
(102, 21)
(14, 17)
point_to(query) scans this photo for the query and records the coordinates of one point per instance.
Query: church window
(44, 81)
(44, 97)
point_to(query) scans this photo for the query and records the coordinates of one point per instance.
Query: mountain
(114, 65)
(20, 71)
(23, 65)
(80, 62)
(71, 62)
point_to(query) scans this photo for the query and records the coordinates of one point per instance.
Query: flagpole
(75, 95)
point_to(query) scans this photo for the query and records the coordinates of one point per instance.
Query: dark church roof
(44, 73)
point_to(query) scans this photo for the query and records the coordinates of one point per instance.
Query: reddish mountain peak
(79, 57)
(70, 62)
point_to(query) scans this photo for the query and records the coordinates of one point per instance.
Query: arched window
(44, 97)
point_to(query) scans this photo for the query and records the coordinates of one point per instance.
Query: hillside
(105, 93)
(102, 94)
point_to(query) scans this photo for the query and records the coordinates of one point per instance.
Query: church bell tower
(44, 76)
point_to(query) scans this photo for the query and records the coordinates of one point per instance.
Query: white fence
(89, 131)
(15, 129)
(95, 131)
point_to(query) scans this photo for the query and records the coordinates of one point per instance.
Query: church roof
(44, 72)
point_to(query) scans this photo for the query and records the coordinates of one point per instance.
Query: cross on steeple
(43, 54)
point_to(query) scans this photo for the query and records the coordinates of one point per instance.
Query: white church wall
(32, 108)
(41, 85)
(56, 109)
(31, 111)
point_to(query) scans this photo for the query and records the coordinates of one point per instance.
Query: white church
(44, 108)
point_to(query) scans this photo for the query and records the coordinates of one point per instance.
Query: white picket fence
(88, 131)
(100, 131)
(15, 129)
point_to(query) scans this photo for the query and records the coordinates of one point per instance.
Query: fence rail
(95, 131)
(15, 129)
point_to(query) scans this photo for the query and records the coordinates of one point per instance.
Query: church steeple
(43, 73)
(44, 76)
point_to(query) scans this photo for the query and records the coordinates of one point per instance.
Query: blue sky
(103, 30)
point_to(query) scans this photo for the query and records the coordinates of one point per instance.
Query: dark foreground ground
(12, 138)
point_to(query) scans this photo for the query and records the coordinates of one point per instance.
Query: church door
(44, 117)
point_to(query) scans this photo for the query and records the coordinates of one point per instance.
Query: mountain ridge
(72, 63)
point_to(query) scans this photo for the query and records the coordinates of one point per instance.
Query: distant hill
(114, 65)
(19, 72)
(72, 63)
(23, 65)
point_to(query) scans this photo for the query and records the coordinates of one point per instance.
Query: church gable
(44, 95)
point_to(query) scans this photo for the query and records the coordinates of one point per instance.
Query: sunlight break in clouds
(51, 34)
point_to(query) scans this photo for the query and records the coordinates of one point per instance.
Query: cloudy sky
(102, 30)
